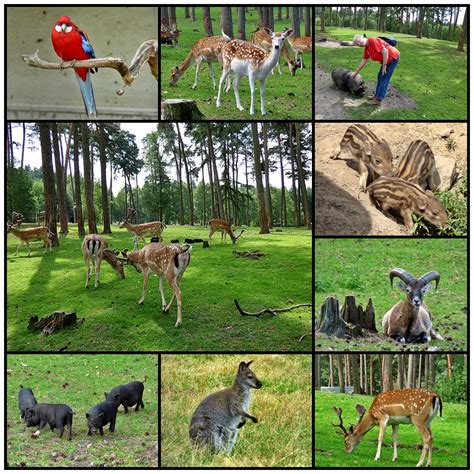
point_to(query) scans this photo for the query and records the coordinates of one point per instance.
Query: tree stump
(52, 323)
(355, 314)
(181, 110)
(205, 244)
(352, 321)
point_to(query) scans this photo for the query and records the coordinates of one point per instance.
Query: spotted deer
(149, 229)
(165, 260)
(94, 250)
(264, 40)
(301, 45)
(225, 228)
(208, 50)
(416, 406)
(246, 59)
(29, 235)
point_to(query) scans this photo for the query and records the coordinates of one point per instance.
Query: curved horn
(241, 232)
(430, 276)
(406, 277)
(341, 423)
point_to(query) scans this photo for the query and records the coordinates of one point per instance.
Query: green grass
(287, 97)
(449, 433)
(282, 436)
(80, 382)
(361, 267)
(430, 71)
(113, 320)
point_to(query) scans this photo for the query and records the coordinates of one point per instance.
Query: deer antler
(341, 424)
(17, 219)
(241, 232)
(130, 213)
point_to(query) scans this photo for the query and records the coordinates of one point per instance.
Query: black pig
(343, 79)
(100, 415)
(52, 414)
(128, 395)
(26, 399)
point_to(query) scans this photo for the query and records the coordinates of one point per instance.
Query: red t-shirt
(374, 47)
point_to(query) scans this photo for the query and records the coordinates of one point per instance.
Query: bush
(454, 388)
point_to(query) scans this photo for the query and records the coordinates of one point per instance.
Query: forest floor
(449, 433)
(430, 82)
(341, 209)
(361, 267)
(80, 382)
(282, 436)
(287, 97)
(113, 320)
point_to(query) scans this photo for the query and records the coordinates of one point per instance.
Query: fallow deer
(301, 45)
(209, 50)
(150, 229)
(166, 260)
(416, 406)
(264, 40)
(246, 59)
(225, 228)
(94, 250)
(29, 235)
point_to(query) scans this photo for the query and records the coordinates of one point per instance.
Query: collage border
(314, 238)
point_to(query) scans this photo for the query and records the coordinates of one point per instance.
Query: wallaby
(216, 420)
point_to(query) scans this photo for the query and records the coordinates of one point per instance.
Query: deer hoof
(165, 309)
(141, 301)
(240, 108)
(178, 324)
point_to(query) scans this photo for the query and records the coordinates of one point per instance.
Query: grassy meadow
(286, 97)
(430, 71)
(361, 267)
(449, 434)
(80, 381)
(282, 436)
(110, 318)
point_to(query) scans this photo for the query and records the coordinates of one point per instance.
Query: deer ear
(268, 31)
(360, 409)
(287, 32)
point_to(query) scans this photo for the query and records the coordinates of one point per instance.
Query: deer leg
(88, 274)
(28, 247)
(262, 96)
(18, 248)
(395, 440)
(236, 92)
(198, 67)
(225, 74)
(145, 286)
(135, 243)
(97, 271)
(430, 448)
(176, 292)
(163, 301)
(427, 440)
(252, 93)
(383, 427)
(211, 72)
(211, 234)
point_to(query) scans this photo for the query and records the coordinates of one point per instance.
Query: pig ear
(116, 396)
(87, 415)
(421, 203)
(367, 148)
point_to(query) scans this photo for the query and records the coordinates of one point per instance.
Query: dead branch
(247, 254)
(146, 53)
(272, 311)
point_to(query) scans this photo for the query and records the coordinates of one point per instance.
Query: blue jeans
(384, 79)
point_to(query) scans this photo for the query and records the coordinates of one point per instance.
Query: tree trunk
(88, 184)
(50, 211)
(433, 369)
(387, 383)
(186, 12)
(421, 19)
(77, 186)
(172, 18)
(302, 183)
(279, 14)
(317, 372)
(410, 370)
(283, 215)
(295, 21)
(366, 22)
(189, 180)
(262, 214)
(450, 365)
(60, 183)
(217, 187)
(266, 157)
(241, 23)
(193, 14)
(206, 16)
(23, 143)
(287, 13)
(340, 373)
(165, 22)
(322, 18)
(462, 36)
(330, 371)
(103, 180)
(307, 21)
(226, 21)
(355, 373)
(401, 372)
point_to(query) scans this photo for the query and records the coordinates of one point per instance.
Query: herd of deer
(254, 59)
(169, 261)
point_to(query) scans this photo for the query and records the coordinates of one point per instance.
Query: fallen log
(272, 311)
(253, 255)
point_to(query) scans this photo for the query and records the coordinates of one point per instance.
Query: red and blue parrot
(71, 43)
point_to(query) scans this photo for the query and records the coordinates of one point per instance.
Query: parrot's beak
(63, 27)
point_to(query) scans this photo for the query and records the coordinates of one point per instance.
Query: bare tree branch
(272, 311)
(146, 53)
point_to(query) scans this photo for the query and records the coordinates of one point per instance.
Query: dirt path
(340, 208)
(333, 104)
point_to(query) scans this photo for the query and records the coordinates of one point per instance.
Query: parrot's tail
(87, 95)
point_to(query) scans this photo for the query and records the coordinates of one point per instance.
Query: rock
(447, 133)
(447, 173)
(347, 43)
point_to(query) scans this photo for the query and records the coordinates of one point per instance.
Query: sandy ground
(333, 104)
(340, 208)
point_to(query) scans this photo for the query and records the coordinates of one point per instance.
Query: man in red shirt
(388, 56)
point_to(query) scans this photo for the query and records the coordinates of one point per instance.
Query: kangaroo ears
(248, 363)
(244, 365)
